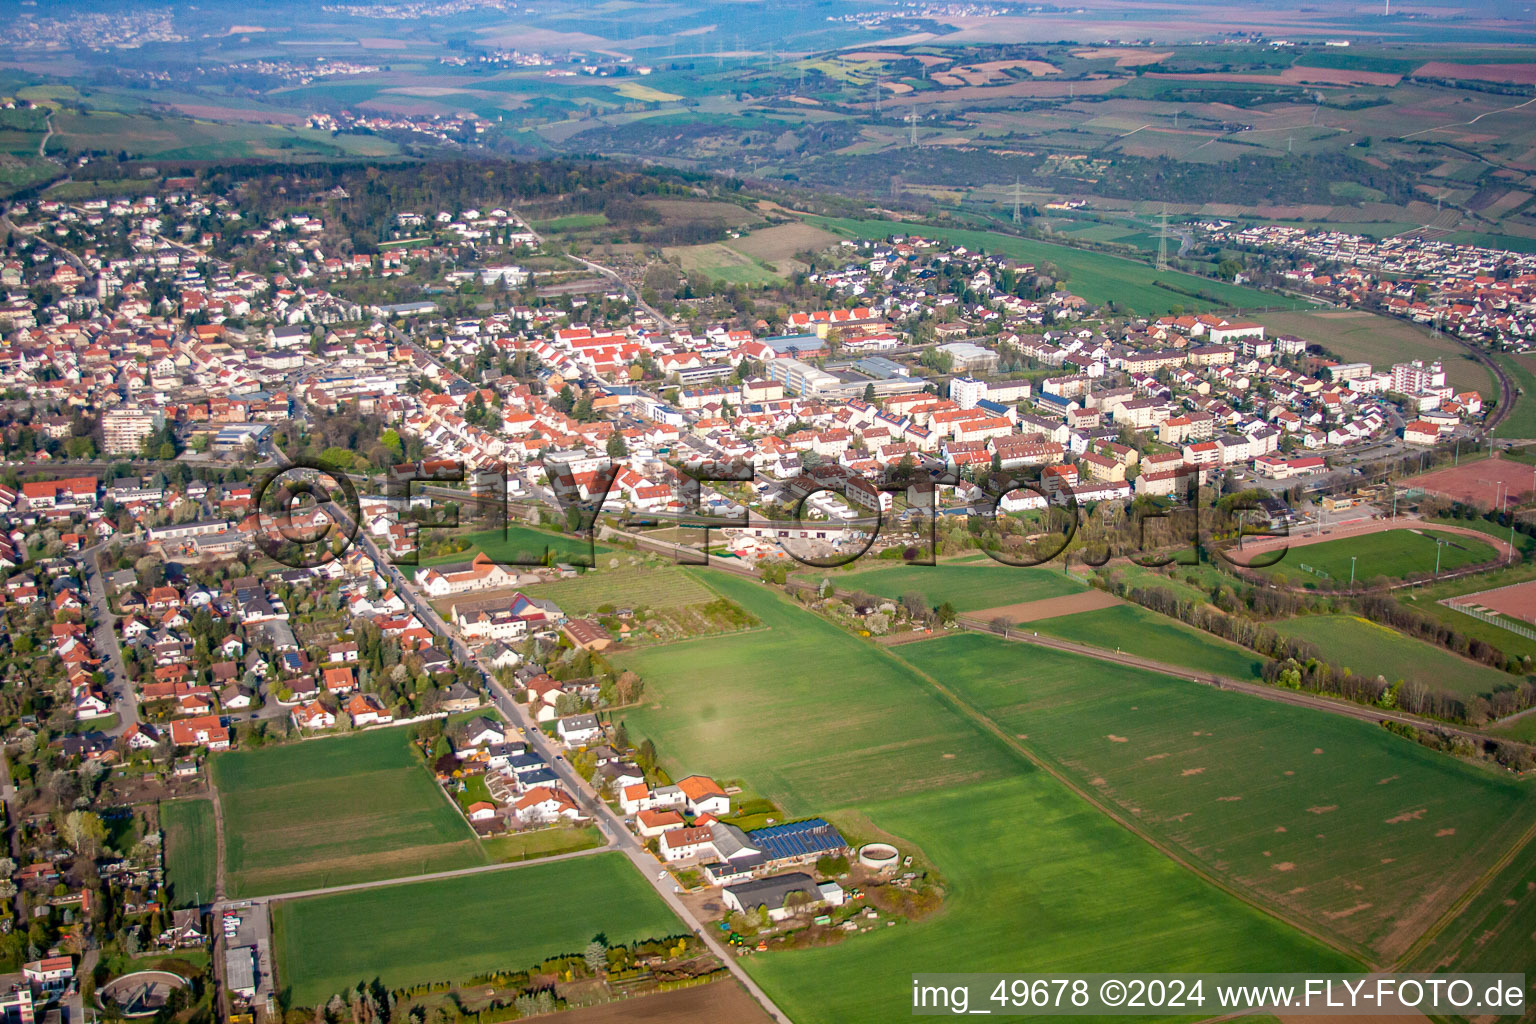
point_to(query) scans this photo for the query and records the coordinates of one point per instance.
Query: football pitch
(1391, 554)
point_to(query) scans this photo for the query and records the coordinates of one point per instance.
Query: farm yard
(191, 851)
(323, 812)
(968, 587)
(1386, 551)
(327, 944)
(1370, 649)
(1366, 836)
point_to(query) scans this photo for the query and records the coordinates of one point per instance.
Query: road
(634, 294)
(611, 824)
(104, 640)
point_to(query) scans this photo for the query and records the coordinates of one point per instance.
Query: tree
(84, 832)
(946, 613)
(617, 449)
(596, 956)
(869, 392)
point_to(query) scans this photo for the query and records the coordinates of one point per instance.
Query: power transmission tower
(1018, 211)
(1162, 242)
(912, 123)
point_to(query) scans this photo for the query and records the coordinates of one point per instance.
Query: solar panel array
(797, 839)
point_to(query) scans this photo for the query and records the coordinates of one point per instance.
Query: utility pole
(1351, 570)
(1438, 545)
(1162, 242)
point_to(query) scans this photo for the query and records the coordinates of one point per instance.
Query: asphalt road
(104, 639)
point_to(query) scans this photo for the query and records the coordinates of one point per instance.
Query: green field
(1370, 649)
(970, 588)
(1493, 931)
(1358, 336)
(1521, 421)
(1036, 877)
(824, 723)
(1095, 276)
(1368, 836)
(350, 808)
(1392, 554)
(517, 545)
(191, 851)
(423, 931)
(1136, 630)
(665, 587)
(761, 706)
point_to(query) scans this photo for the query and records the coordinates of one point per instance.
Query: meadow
(521, 916)
(969, 587)
(1095, 276)
(330, 811)
(191, 851)
(1135, 630)
(1370, 649)
(516, 545)
(762, 706)
(1366, 836)
(624, 587)
(1358, 336)
(824, 723)
(1392, 554)
(1521, 421)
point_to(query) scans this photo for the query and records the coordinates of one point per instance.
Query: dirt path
(1048, 608)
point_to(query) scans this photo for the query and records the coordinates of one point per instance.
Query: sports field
(191, 851)
(823, 722)
(1392, 554)
(1135, 630)
(414, 933)
(351, 808)
(1367, 836)
(1370, 649)
(1095, 276)
(969, 588)
(517, 545)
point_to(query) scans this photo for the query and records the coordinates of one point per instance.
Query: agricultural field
(970, 588)
(1135, 630)
(1370, 649)
(1034, 876)
(718, 261)
(1392, 554)
(1366, 836)
(713, 706)
(517, 545)
(327, 944)
(1068, 885)
(329, 811)
(191, 851)
(1521, 422)
(627, 586)
(1359, 336)
(1097, 277)
(1493, 931)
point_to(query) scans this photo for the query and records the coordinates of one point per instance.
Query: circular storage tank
(879, 856)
